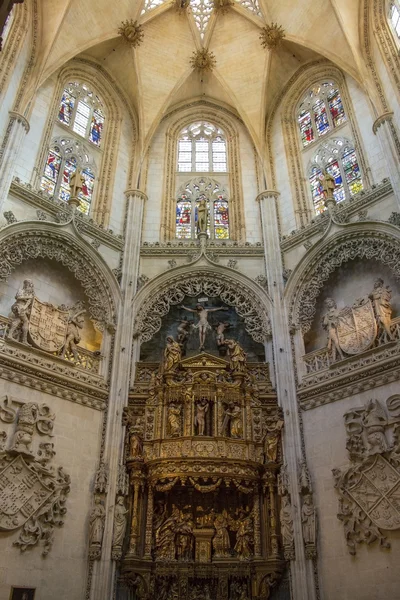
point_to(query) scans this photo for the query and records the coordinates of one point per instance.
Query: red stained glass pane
(306, 128)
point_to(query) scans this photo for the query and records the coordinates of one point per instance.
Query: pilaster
(301, 569)
(385, 131)
(18, 126)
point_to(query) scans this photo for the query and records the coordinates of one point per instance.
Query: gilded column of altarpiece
(203, 456)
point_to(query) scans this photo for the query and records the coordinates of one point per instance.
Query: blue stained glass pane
(183, 218)
(221, 219)
(334, 170)
(336, 108)
(352, 172)
(52, 167)
(86, 194)
(66, 108)
(306, 128)
(96, 127)
(321, 118)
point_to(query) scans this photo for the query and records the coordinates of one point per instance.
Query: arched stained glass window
(82, 111)
(202, 149)
(394, 17)
(217, 204)
(320, 112)
(339, 159)
(64, 158)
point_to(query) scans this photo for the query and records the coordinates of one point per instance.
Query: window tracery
(202, 149)
(82, 111)
(394, 17)
(64, 158)
(320, 112)
(188, 200)
(338, 157)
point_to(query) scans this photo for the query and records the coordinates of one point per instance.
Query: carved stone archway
(377, 241)
(249, 300)
(23, 241)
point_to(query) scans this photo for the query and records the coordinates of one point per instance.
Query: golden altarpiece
(203, 456)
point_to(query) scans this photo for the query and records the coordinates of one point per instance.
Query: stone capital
(268, 194)
(386, 116)
(137, 193)
(20, 119)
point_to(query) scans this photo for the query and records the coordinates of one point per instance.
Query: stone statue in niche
(202, 325)
(202, 216)
(329, 322)
(286, 521)
(135, 444)
(237, 357)
(221, 543)
(308, 520)
(73, 337)
(119, 529)
(172, 355)
(174, 420)
(244, 535)
(21, 310)
(328, 185)
(184, 537)
(200, 419)
(101, 479)
(96, 528)
(381, 296)
(232, 424)
(273, 426)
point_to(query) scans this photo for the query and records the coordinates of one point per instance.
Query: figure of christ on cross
(203, 324)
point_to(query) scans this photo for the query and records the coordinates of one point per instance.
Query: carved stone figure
(135, 443)
(27, 418)
(183, 334)
(120, 513)
(374, 421)
(233, 421)
(330, 322)
(221, 543)
(203, 325)
(328, 185)
(244, 535)
(271, 439)
(286, 521)
(202, 216)
(172, 355)
(381, 296)
(184, 538)
(96, 528)
(21, 311)
(165, 542)
(3, 440)
(222, 326)
(75, 323)
(101, 480)
(76, 183)
(46, 453)
(308, 520)
(174, 420)
(237, 357)
(200, 419)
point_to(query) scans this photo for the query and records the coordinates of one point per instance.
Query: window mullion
(193, 219)
(210, 157)
(59, 178)
(193, 155)
(344, 179)
(328, 113)
(212, 224)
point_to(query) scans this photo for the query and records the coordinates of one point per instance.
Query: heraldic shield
(357, 327)
(48, 326)
(22, 493)
(377, 492)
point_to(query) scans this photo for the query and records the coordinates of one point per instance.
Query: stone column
(385, 130)
(18, 126)
(104, 569)
(302, 585)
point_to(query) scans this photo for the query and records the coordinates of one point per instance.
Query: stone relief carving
(10, 217)
(286, 515)
(120, 522)
(308, 512)
(97, 520)
(101, 479)
(33, 492)
(368, 487)
(149, 319)
(21, 310)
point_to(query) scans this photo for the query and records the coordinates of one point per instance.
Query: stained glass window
(339, 159)
(82, 110)
(395, 18)
(187, 205)
(320, 111)
(202, 149)
(65, 158)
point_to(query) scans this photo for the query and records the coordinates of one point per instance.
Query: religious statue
(96, 528)
(328, 185)
(135, 444)
(271, 439)
(75, 323)
(374, 421)
(165, 538)
(185, 538)
(21, 311)
(203, 325)
(202, 216)
(101, 480)
(381, 296)
(172, 354)
(221, 327)
(200, 419)
(76, 183)
(183, 334)
(308, 520)
(27, 418)
(120, 513)
(159, 516)
(244, 535)
(221, 543)
(286, 521)
(174, 420)
(329, 322)
(233, 417)
(237, 357)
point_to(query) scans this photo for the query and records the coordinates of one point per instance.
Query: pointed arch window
(394, 17)
(64, 158)
(82, 111)
(338, 157)
(188, 201)
(320, 112)
(202, 149)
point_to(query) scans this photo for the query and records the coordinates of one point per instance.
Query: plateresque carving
(369, 487)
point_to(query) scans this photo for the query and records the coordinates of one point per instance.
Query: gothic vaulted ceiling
(158, 75)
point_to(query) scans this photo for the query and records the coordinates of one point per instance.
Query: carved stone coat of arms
(356, 327)
(47, 326)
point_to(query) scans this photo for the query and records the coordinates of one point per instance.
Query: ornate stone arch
(19, 29)
(289, 99)
(115, 104)
(378, 241)
(30, 239)
(249, 300)
(226, 121)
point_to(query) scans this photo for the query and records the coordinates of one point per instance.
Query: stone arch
(31, 239)
(115, 103)
(287, 104)
(225, 120)
(249, 300)
(23, 15)
(378, 241)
